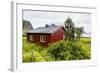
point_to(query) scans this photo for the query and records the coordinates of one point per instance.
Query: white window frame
(42, 38)
(63, 36)
(31, 37)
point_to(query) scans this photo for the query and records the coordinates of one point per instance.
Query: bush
(62, 50)
(34, 53)
(27, 57)
(67, 50)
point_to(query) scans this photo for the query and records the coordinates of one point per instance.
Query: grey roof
(50, 29)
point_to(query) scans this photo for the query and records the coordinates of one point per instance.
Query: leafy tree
(69, 29)
(79, 31)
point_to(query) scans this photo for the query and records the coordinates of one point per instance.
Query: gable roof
(50, 29)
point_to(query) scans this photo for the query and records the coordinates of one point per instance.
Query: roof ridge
(56, 29)
(45, 30)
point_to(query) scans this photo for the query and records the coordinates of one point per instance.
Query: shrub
(27, 57)
(37, 57)
(62, 50)
(67, 50)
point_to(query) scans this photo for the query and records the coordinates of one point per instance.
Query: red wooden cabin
(46, 35)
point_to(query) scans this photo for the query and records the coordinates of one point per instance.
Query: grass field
(34, 53)
(86, 45)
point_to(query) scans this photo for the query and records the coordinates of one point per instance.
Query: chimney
(46, 25)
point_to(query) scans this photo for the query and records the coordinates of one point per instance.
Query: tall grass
(86, 45)
(62, 50)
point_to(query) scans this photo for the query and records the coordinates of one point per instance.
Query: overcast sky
(40, 18)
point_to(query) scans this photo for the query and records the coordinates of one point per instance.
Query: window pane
(31, 37)
(42, 38)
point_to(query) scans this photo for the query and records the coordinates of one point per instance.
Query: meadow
(62, 50)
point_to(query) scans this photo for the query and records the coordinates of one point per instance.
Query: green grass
(86, 45)
(34, 53)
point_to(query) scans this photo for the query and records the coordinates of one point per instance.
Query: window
(63, 37)
(31, 37)
(42, 38)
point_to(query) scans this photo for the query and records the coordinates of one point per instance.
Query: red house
(46, 35)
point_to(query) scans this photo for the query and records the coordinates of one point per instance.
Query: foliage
(86, 45)
(62, 50)
(79, 31)
(34, 53)
(69, 29)
(67, 50)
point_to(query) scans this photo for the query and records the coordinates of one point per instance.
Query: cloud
(40, 18)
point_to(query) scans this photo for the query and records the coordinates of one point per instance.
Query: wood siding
(50, 38)
(36, 38)
(57, 36)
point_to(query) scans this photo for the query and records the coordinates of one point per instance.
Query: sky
(40, 18)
